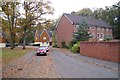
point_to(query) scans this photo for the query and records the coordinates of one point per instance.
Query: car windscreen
(43, 48)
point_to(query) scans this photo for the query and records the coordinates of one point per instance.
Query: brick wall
(101, 50)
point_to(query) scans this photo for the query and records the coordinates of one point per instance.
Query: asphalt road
(68, 67)
(55, 65)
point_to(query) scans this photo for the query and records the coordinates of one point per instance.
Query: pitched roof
(48, 31)
(90, 21)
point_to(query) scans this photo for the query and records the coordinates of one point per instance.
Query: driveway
(55, 65)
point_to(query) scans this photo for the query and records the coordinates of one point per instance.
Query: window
(88, 27)
(93, 35)
(102, 35)
(107, 29)
(98, 35)
(93, 28)
(44, 38)
(36, 38)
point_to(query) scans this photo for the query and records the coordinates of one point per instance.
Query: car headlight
(37, 51)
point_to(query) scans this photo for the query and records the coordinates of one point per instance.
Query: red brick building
(2, 39)
(44, 37)
(68, 25)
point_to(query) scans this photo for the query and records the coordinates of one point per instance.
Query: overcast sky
(67, 6)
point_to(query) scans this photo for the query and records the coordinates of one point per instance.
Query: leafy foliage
(9, 19)
(107, 38)
(20, 27)
(75, 48)
(63, 44)
(85, 12)
(82, 32)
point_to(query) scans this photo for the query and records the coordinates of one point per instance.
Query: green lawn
(8, 55)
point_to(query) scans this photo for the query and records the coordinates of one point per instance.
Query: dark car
(8, 44)
(41, 51)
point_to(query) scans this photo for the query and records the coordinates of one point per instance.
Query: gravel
(30, 66)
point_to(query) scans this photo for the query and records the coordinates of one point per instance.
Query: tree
(82, 33)
(84, 12)
(10, 16)
(117, 22)
(34, 12)
(110, 15)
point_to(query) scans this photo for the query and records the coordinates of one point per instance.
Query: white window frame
(98, 35)
(102, 35)
(44, 38)
(93, 35)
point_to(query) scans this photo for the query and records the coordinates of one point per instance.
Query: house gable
(65, 30)
(44, 36)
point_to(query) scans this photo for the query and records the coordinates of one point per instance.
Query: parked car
(8, 44)
(47, 48)
(41, 51)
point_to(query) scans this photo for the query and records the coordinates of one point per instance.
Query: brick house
(2, 39)
(68, 24)
(43, 38)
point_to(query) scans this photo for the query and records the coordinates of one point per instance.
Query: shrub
(107, 38)
(76, 47)
(55, 45)
(70, 45)
(63, 44)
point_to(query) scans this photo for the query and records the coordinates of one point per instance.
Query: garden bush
(76, 47)
(55, 45)
(108, 38)
(63, 44)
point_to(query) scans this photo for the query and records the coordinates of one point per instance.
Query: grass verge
(8, 55)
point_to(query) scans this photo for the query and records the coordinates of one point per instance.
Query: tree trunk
(24, 39)
(11, 41)
(24, 42)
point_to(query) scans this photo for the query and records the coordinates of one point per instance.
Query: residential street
(68, 67)
(56, 65)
